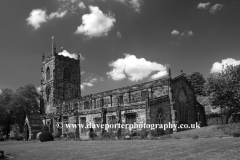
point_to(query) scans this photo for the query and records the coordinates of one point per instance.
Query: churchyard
(208, 148)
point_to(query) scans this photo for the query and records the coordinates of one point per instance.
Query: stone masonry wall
(183, 95)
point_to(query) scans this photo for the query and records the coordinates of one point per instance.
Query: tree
(223, 90)
(197, 80)
(14, 106)
(6, 110)
(26, 101)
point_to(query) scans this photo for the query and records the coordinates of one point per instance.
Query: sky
(121, 42)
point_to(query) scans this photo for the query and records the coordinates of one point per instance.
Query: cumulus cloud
(37, 17)
(96, 23)
(215, 8)
(159, 74)
(70, 55)
(175, 32)
(135, 69)
(218, 66)
(203, 5)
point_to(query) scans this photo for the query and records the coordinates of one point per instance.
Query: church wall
(160, 105)
(48, 83)
(184, 101)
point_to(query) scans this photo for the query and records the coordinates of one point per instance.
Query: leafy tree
(14, 106)
(6, 110)
(197, 80)
(26, 101)
(223, 89)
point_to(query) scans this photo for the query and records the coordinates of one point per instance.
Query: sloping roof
(203, 100)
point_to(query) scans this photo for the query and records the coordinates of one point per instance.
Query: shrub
(195, 137)
(71, 135)
(177, 137)
(46, 136)
(157, 132)
(236, 134)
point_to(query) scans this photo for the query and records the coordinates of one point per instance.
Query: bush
(71, 135)
(236, 134)
(143, 133)
(46, 136)
(157, 132)
(177, 137)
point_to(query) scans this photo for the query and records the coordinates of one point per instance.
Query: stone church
(162, 101)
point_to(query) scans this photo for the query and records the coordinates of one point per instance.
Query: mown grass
(212, 148)
(204, 132)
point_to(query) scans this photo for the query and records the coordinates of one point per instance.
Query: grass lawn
(208, 131)
(210, 148)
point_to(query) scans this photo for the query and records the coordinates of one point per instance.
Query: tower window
(66, 73)
(47, 73)
(48, 91)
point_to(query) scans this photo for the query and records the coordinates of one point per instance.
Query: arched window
(160, 116)
(66, 73)
(47, 73)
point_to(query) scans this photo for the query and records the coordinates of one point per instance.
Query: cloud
(58, 14)
(135, 69)
(217, 67)
(215, 8)
(71, 5)
(203, 5)
(96, 23)
(73, 55)
(159, 74)
(91, 80)
(175, 32)
(37, 17)
(82, 87)
(187, 33)
(119, 34)
(87, 84)
(135, 4)
(81, 5)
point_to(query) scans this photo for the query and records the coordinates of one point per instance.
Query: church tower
(60, 80)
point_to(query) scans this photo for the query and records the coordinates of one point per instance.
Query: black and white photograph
(119, 79)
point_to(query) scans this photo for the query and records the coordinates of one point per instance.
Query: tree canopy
(14, 106)
(223, 89)
(197, 80)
